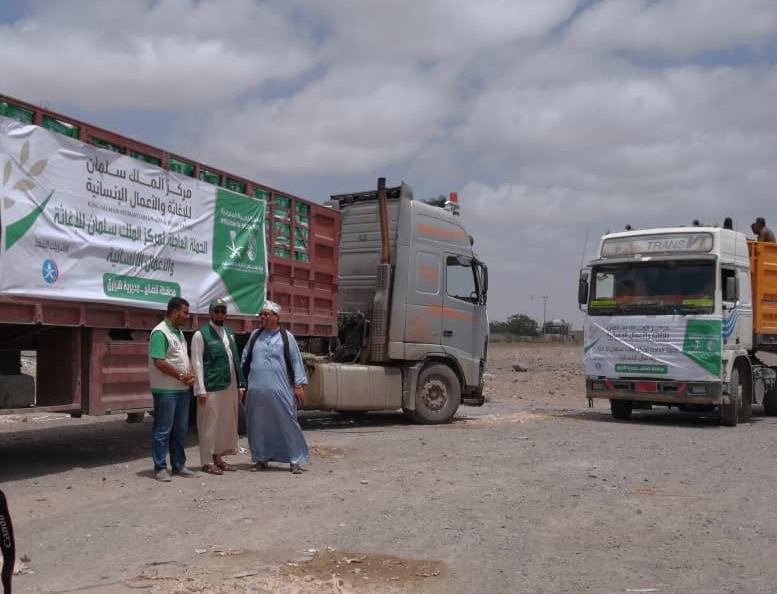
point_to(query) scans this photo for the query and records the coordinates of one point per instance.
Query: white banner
(87, 224)
(679, 348)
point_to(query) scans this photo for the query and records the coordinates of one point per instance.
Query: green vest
(215, 362)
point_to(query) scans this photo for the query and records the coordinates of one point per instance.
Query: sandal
(212, 469)
(226, 466)
(262, 466)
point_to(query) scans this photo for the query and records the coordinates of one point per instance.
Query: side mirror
(730, 290)
(583, 287)
(582, 292)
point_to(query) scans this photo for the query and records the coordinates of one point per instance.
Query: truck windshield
(663, 287)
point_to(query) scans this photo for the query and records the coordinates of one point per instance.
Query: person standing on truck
(170, 375)
(762, 232)
(218, 384)
(272, 363)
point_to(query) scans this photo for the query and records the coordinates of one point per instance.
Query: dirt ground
(533, 492)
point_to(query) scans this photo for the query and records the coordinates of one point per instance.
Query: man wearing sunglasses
(218, 386)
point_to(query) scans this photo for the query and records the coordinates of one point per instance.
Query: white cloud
(549, 131)
(173, 54)
(393, 81)
(675, 27)
(350, 121)
(435, 29)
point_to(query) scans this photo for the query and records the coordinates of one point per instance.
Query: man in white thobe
(218, 386)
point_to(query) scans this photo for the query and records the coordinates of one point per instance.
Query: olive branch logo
(16, 230)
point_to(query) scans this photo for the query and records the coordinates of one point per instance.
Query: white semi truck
(676, 317)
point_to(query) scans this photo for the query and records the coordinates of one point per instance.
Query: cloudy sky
(555, 120)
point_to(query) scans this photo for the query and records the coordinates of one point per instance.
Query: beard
(218, 322)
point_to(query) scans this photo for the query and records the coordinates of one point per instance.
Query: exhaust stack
(380, 304)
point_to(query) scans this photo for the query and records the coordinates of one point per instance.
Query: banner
(673, 348)
(87, 224)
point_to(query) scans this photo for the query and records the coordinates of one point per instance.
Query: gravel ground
(533, 492)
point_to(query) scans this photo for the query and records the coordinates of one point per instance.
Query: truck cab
(412, 305)
(669, 321)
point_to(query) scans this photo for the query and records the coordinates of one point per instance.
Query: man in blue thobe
(273, 394)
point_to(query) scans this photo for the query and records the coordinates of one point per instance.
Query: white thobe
(217, 417)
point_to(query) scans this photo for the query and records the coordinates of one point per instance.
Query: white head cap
(271, 306)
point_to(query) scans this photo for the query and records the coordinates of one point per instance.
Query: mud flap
(409, 385)
(475, 398)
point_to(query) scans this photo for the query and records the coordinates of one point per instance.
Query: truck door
(424, 299)
(462, 311)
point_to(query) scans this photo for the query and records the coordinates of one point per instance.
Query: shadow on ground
(92, 443)
(351, 422)
(657, 416)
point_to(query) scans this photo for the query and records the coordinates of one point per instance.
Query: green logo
(702, 344)
(239, 248)
(591, 345)
(15, 231)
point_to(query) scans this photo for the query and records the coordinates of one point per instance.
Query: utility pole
(544, 309)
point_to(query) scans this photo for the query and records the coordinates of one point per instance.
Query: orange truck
(676, 317)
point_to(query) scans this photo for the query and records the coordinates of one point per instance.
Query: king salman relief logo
(239, 253)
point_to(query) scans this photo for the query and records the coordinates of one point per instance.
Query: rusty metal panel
(118, 374)
(59, 377)
(14, 311)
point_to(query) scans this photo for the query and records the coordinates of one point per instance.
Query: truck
(383, 292)
(413, 327)
(678, 317)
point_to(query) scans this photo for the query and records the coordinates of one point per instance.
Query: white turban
(271, 306)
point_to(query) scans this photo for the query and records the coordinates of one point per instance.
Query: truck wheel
(770, 402)
(135, 417)
(729, 412)
(437, 396)
(621, 409)
(745, 381)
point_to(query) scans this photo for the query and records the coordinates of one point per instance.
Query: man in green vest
(218, 386)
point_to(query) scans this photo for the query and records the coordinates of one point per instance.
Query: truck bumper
(657, 391)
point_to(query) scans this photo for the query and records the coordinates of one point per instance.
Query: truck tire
(731, 411)
(621, 409)
(437, 396)
(135, 417)
(746, 392)
(770, 402)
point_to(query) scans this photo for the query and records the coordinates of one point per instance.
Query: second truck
(681, 317)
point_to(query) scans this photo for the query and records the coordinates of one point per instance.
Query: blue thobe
(271, 409)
